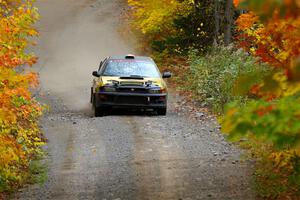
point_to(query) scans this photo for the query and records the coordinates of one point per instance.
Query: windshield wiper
(132, 77)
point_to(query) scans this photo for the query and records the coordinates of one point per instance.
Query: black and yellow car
(131, 82)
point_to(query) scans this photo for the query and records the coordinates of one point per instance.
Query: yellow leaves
(227, 126)
(252, 50)
(152, 16)
(282, 56)
(32, 32)
(277, 85)
(283, 159)
(10, 152)
(15, 29)
(7, 116)
(20, 138)
(290, 88)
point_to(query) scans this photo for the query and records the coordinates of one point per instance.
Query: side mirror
(95, 73)
(167, 75)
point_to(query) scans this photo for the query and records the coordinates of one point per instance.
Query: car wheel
(161, 111)
(91, 99)
(99, 112)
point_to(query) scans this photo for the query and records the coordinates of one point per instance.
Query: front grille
(131, 100)
(132, 90)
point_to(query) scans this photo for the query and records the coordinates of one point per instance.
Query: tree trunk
(228, 22)
(217, 21)
(196, 5)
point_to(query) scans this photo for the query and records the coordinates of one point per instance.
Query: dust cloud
(72, 43)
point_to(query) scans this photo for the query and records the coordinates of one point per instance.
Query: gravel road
(125, 155)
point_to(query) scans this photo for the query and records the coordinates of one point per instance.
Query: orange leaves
(15, 30)
(265, 9)
(19, 112)
(275, 39)
(236, 2)
(271, 120)
(246, 21)
(33, 79)
(264, 110)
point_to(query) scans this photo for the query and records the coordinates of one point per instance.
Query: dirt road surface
(123, 156)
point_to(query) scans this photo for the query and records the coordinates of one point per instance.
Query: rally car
(131, 82)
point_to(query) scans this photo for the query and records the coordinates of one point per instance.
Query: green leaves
(275, 122)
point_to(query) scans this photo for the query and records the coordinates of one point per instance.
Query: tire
(91, 99)
(98, 112)
(161, 111)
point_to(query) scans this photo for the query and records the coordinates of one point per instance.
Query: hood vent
(131, 83)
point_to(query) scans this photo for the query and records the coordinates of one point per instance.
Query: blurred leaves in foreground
(270, 124)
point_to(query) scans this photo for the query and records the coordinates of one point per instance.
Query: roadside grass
(38, 170)
(273, 178)
(37, 173)
(271, 183)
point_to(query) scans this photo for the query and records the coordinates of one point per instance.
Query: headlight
(107, 89)
(157, 91)
(114, 82)
(154, 91)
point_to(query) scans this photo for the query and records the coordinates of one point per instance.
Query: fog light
(109, 89)
(162, 98)
(102, 97)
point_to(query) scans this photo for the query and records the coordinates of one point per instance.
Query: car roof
(131, 57)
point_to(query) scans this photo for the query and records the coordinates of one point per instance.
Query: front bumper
(130, 100)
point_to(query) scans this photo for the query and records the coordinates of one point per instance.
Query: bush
(213, 76)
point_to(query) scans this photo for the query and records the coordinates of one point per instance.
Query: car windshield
(124, 68)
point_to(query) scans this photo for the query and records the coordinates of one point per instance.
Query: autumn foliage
(153, 17)
(270, 31)
(20, 138)
(174, 27)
